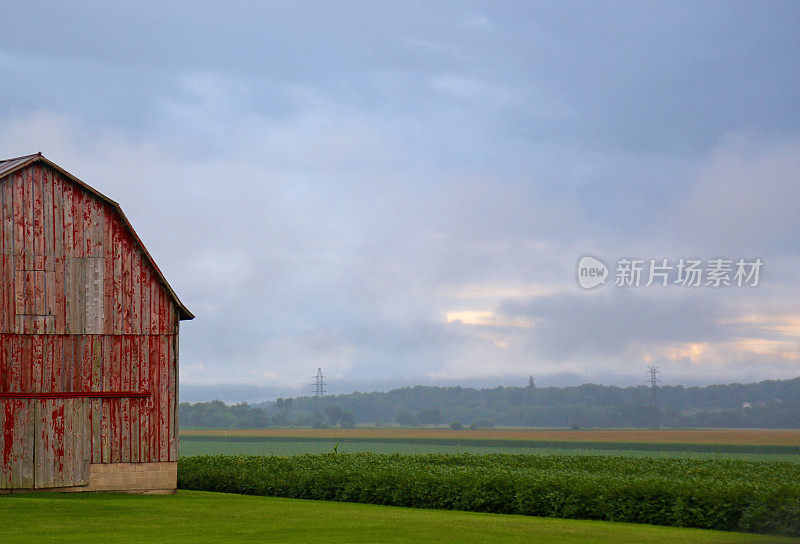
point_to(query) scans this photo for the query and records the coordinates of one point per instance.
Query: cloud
(403, 195)
(745, 195)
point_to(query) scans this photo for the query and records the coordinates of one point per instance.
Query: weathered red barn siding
(88, 335)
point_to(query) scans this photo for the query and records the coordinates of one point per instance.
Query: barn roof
(9, 166)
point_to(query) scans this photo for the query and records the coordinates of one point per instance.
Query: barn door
(43, 443)
(61, 448)
(16, 443)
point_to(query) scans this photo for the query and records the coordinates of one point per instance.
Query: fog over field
(400, 194)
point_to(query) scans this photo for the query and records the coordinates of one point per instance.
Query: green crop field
(198, 517)
(711, 494)
(298, 447)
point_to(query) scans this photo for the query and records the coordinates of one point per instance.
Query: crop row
(714, 494)
(512, 443)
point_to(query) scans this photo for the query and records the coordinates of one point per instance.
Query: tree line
(772, 404)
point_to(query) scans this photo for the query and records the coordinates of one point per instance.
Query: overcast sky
(400, 192)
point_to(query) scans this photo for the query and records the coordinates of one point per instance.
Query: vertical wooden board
(5, 364)
(108, 259)
(39, 290)
(88, 224)
(65, 189)
(27, 369)
(172, 407)
(87, 360)
(125, 409)
(51, 303)
(76, 295)
(16, 363)
(47, 210)
(146, 306)
(94, 301)
(5, 295)
(164, 308)
(154, 293)
(95, 407)
(144, 404)
(78, 222)
(37, 213)
(71, 357)
(47, 364)
(93, 242)
(117, 278)
(136, 293)
(4, 291)
(41, 440)
(163, 364)
(6, 441)
(108, 369)
(18, 212)
(60, 302)
(155, 401)
(24, 443)
(127, 285)
(58, 215)
(57, 376)
(8, 460)
(98, 227)
(96, 425)
(36, 360)
(134, 403)
(116, 416)
(20, 288)
(27, 205)
(7, 230)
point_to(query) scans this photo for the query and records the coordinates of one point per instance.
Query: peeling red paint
(87, 332)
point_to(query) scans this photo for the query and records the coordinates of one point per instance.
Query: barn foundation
(146, 478)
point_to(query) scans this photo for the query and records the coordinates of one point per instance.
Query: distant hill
(771, 403)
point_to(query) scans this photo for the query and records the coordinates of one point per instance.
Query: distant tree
(406, 418)
(531, 383)
(318, 421)
(282, 411)
(456, 425)
(429, 416)
(333, 415)
(347, 420)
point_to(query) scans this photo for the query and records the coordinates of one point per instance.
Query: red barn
(88, 341)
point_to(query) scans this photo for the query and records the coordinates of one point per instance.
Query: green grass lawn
(197, 517)
(289, 447)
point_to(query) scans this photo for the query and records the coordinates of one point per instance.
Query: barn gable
(40, 218)
(88, 341)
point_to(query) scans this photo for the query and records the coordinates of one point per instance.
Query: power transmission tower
(653, 379)
(319, 384)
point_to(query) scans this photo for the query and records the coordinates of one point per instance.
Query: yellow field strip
(788, 437)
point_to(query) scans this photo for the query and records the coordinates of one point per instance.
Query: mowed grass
(288, 447)
(786, 437)
(198, 517)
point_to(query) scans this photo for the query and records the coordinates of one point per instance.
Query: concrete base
(156, 478)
